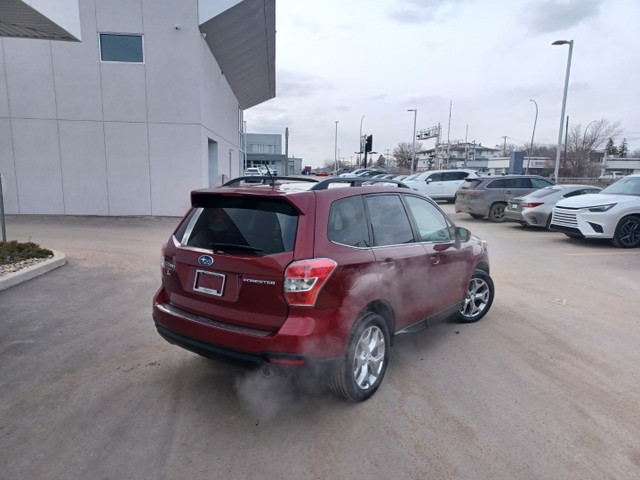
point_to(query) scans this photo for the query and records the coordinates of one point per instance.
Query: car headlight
(602, 208)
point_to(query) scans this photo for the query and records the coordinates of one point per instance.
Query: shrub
(13, 252)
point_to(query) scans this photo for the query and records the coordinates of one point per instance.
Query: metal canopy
(243, 41)
(17, 19)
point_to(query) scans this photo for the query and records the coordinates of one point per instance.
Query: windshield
(624, 186)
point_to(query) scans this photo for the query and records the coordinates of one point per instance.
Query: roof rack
(265, 180)
(356, 182)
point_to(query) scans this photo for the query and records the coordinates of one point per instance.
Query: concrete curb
(16, 278)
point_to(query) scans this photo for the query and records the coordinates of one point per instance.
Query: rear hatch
(230, 256)
(466, 188)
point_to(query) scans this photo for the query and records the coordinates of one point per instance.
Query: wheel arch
(384, 309)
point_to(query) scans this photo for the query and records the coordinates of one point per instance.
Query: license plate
(210, 283)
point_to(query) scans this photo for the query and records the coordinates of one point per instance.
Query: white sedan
(614, 213)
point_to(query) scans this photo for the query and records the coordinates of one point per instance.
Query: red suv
(287, 275)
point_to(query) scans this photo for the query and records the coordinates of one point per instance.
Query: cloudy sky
(342, 60)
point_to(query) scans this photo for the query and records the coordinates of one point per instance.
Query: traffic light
(368, 146)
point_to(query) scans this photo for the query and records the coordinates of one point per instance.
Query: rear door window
(518, 183)
(245, 225)
(348, 223)
(540, 182)
(389, 221)
(448, 176)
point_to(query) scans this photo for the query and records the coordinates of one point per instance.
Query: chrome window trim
(192, 224)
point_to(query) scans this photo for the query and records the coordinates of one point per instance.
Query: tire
(496, 212)
(627, 234)
(476, 216)
(453, 200)
(366, 361)
(479, 298)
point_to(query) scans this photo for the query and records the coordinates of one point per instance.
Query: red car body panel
(252, 317)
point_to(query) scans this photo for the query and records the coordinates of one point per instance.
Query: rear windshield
(244, 225)
(543, 192)
(470, 183)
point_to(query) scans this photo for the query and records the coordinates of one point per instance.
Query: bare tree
(380, 162)
(403, 154)
(582, 143)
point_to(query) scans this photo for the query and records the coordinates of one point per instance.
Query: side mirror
(462, 234)
(428, 180)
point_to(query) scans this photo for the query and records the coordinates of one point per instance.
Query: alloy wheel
(477, 299)
(369, 358)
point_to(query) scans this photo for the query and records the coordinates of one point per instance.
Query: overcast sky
(340, 60)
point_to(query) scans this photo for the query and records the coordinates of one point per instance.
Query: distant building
(456, 154)
(127, 118)
(625, 166)
(265, 149)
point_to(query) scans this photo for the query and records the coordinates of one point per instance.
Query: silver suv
(488, 196)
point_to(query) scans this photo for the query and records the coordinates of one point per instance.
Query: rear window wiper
(234, 246)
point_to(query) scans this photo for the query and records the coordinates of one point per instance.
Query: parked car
(316, 280)
(371, 173)
(344, 170)
(535, 209)
(253, 172)
(355, 172)
(614, 213)
(440, 184)
(488, 196)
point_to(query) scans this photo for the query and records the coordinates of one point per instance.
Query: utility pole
(286, 151)
(504, 146)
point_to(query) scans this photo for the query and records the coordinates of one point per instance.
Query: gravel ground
(14, 267)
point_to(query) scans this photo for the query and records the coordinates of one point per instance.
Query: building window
(121, 48)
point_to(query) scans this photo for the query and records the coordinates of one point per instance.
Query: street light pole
(413, 149)
(564, 102)
(336, 151)
(360, 143)
(532, 135)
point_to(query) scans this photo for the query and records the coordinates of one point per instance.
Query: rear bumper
(302, 341)
(282, 362)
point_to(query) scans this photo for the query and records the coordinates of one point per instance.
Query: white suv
(614, 213)
(440, 184)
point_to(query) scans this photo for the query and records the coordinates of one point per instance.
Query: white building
(140, 102)
(455, 154)
(624, 166)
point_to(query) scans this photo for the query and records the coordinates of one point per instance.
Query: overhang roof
(243, 41)
(18, 19)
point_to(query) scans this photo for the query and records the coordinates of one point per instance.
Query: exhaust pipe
(266, 371)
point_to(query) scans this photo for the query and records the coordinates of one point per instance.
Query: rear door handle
(389, 263)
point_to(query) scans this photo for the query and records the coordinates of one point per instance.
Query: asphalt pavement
(547, 385)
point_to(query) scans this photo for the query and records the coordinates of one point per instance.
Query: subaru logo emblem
(205, 260)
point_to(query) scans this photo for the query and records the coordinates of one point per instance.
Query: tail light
(531, 205)
(474, 192)
(167, 264)
(303, 280)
